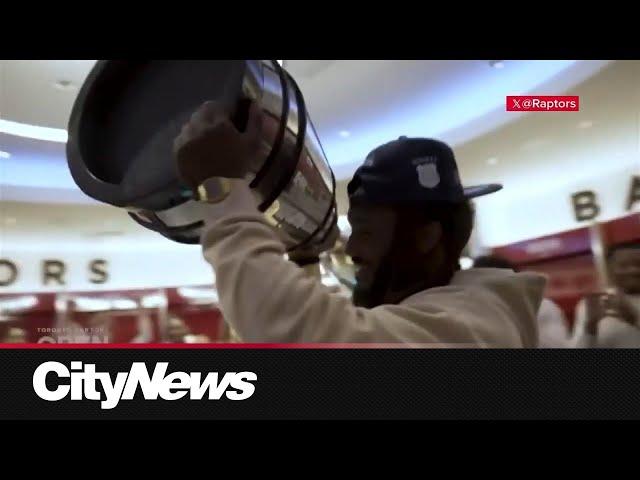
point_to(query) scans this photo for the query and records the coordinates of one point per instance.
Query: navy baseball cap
(412, 171)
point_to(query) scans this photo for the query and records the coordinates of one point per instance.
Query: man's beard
(374, 294)
(395, 280)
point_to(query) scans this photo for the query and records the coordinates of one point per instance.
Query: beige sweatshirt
(266, 298)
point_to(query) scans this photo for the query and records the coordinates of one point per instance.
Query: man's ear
(428, 236)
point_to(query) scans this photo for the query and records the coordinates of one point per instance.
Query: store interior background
(125, 284)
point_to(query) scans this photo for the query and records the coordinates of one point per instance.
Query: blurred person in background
(552, 323)
(15, 335)
(410, 218)
(610, 319)
(178, 332)
(145, 328)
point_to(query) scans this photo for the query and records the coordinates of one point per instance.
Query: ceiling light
(88, 304)
(4, 154)
(345, 133)
(157, 300)
(466, 263)
(198, 295)
(492, 161)
(499, 64)
(14, 305)
(123, 304)
(33, 131)
(585, 124)
(105, 233)
(535, 144)
(64, 85)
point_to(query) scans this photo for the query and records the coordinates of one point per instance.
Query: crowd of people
(607, 319)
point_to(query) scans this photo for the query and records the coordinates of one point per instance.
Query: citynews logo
(544, 103)
(83, 380)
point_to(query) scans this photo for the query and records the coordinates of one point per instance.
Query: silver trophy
(128, 113)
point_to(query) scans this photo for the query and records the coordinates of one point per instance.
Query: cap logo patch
(427, 170)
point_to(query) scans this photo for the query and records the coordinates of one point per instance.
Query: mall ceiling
(355, 105)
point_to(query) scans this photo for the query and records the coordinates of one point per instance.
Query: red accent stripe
(215, 346)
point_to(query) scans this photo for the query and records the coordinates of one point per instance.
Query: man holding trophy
(411, 219)
(223, 153)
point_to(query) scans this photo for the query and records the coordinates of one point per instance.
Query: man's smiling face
(370, 242)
